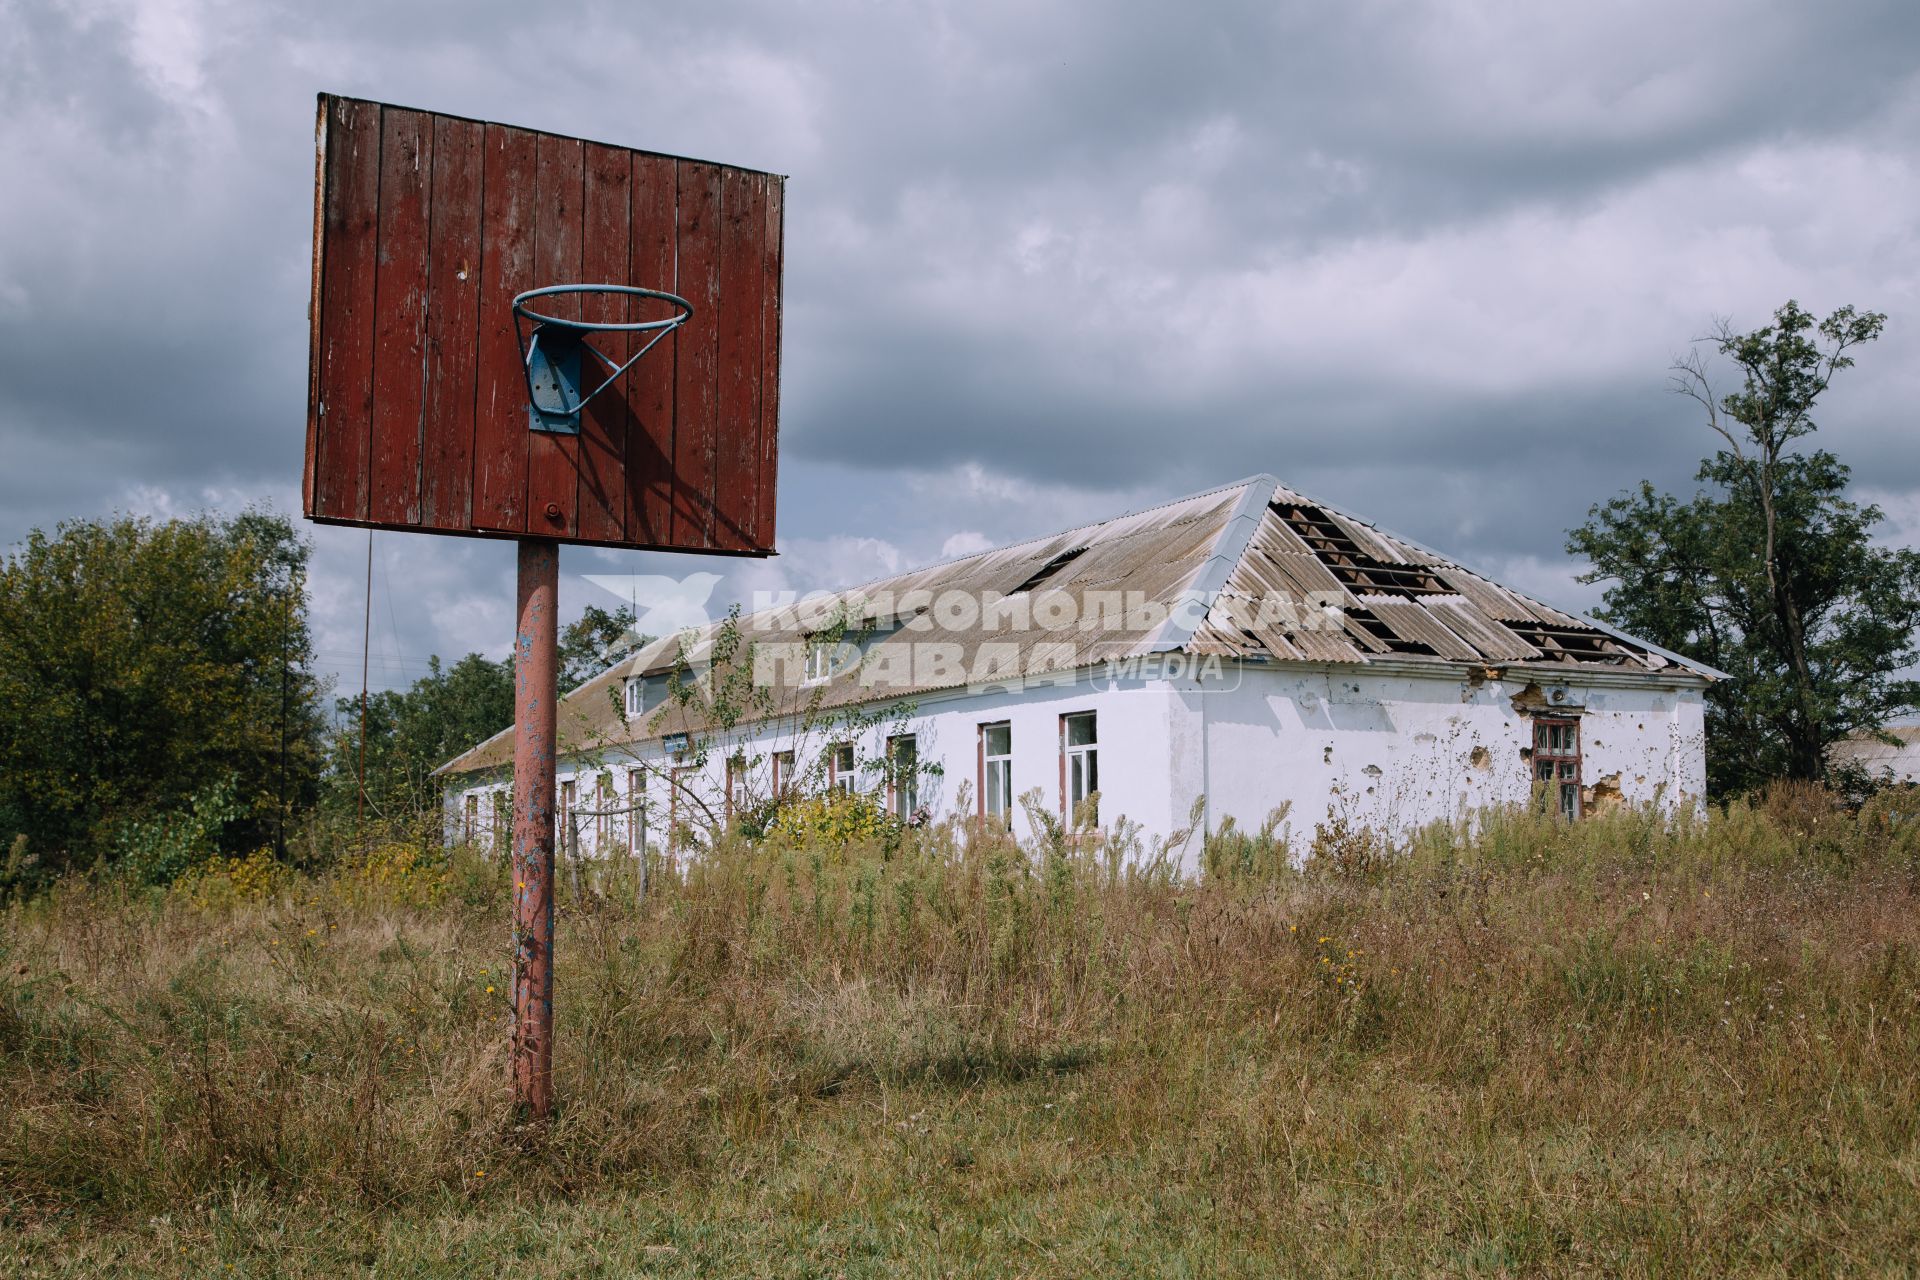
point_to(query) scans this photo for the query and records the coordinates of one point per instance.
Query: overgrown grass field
(1618, 1048)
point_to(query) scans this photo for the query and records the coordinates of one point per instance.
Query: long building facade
(1227, 655)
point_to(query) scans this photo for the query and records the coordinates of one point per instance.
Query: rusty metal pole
(535, 692)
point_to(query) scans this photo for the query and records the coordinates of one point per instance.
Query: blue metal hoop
(520, 308)
(553, 366)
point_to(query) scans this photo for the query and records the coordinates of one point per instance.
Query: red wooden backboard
(427, 225)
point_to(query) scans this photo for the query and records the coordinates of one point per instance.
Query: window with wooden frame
(996, 771)
(783, 775)
(502, 819)
(840, 767)
(736, 785)
(636, 810)
(563, 813)
(679, 779)
(903, 775)
(470, 819)
(1556, 763)
(603, 820)
(1079, 764)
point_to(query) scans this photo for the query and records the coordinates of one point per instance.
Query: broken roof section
(1252, 571)
(1398, 600)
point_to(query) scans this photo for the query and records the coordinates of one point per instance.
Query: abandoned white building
(1896, 761)
(1226, 653)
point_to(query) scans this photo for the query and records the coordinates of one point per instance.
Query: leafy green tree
(412, 732)
(1769, 572)
(595, 641)
(146, 663)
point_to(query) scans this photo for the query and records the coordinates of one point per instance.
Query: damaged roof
(1253, 571)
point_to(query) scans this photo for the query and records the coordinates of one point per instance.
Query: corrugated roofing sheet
(1409, 620)
(1489, 638)
(1269, 609)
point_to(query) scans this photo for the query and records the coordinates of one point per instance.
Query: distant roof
(1902, 756)
(1279, 577)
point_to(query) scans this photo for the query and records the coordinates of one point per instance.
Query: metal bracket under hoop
(555, 369)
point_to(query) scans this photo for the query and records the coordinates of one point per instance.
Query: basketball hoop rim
(522, 309)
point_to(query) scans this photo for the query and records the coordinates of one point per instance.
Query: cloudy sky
(1046, 261)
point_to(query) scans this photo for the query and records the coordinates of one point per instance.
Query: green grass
(1621, 1048)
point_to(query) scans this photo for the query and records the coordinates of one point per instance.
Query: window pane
(1080, 729)
(998, 785)
(904, 755)
(999, 739)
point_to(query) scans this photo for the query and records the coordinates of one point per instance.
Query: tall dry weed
(1502, 1002)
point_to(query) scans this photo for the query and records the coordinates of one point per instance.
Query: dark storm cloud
(1429, 263)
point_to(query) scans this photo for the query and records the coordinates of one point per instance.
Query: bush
(834, 820)
(159, 851)
(397, 873)
(226, 882)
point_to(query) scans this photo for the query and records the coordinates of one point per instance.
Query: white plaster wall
(1399, 751)
(1394, 751)
(1131, 724)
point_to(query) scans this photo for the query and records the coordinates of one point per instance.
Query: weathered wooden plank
(650, 384)
(311, 455)
(553, 460)
(400, 366)
(607, 208)
(453, 324)
(343, 408)
(696, 409)
(743, 230)
(772, 290)
(506, 268)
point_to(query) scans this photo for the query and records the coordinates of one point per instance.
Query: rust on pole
(366, 651)
(535, 694)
